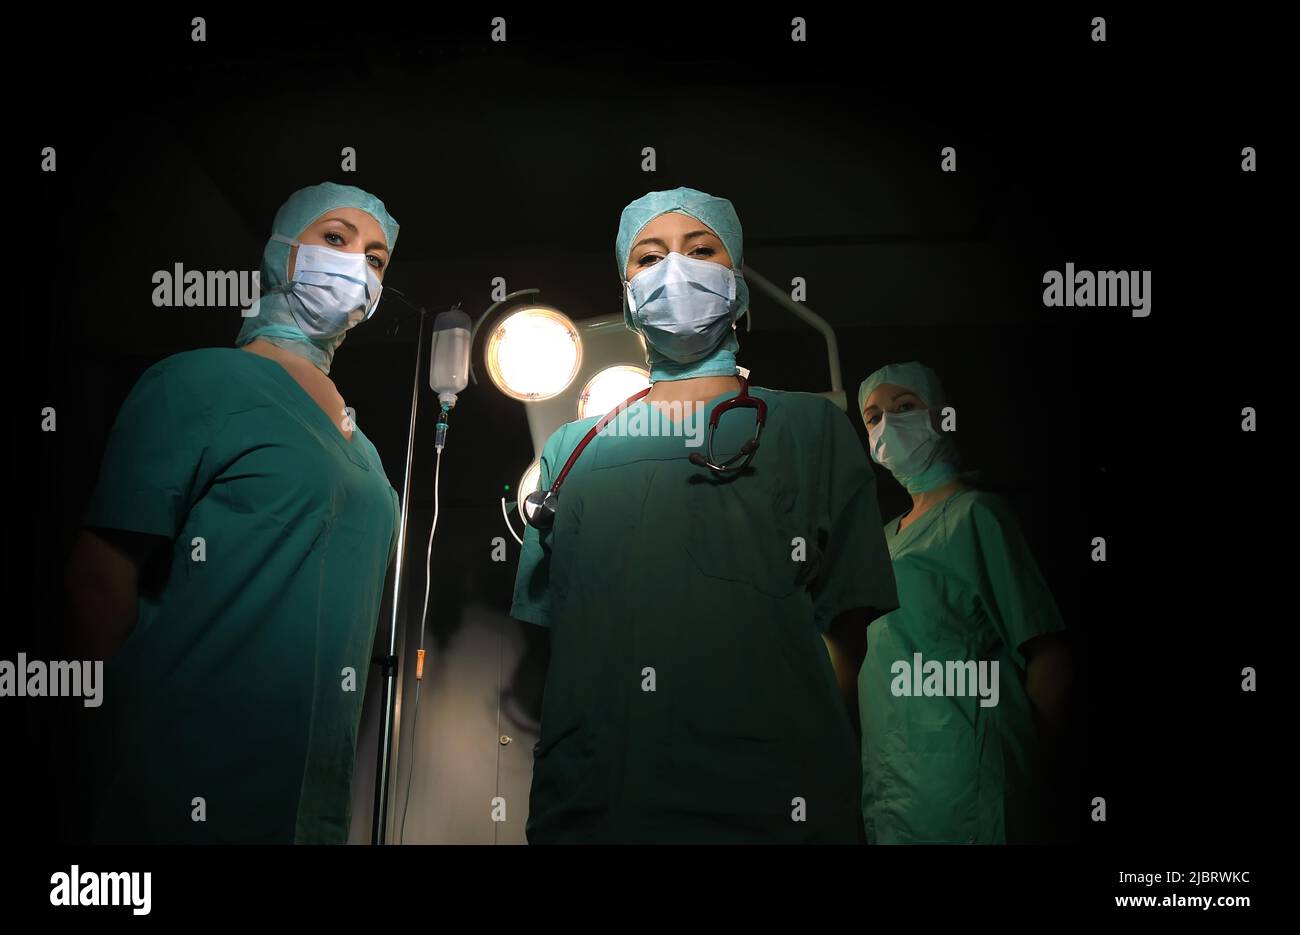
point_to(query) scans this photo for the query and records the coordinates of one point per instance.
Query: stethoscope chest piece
(539, 508)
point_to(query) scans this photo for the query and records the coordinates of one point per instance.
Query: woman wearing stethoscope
(708, 609)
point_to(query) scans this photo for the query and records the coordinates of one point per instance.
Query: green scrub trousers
(241, 684)
(690, 696)
(946, 769)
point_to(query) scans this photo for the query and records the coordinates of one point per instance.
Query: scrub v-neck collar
(350, 447)
(925, 519)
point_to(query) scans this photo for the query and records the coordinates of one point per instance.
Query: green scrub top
(234, 685)
(690, 696)
(946, 768)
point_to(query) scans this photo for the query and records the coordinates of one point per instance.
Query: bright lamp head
(610, 387)
(534, 353)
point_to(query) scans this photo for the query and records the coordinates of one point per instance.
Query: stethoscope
(540, 505)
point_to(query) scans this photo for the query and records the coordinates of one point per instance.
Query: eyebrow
(373, 245)
(664, 244)
(897, 397)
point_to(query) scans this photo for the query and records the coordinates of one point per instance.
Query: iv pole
(390, 737)
(387, 741)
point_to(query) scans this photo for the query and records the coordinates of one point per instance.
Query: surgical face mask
(908, 446)
(330, 290)
(683, 306)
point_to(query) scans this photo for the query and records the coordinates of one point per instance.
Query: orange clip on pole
(419, 664)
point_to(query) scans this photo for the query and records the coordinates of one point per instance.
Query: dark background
(515, 160)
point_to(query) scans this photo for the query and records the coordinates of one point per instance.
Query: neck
(923, 501)
(692, 389)
(288, 359)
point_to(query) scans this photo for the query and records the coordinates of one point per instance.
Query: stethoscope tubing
(741, 400)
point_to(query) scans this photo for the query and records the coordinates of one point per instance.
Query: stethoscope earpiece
(741, 400)
(726, 467)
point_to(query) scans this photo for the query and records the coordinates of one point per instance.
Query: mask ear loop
(748, 313)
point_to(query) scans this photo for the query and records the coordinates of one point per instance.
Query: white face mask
(909, 447)
(683, 305)
(330, 290)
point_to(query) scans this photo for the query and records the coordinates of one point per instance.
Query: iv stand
(387, 742)
(390, 736)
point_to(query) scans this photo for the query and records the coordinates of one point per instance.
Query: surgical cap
(274, 322)
(915, 376)
(716, 213)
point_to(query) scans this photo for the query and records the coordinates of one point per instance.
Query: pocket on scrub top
(742, 530)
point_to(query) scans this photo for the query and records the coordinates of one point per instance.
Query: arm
(156, 463)
(1048, 673)
(855, 584)
(1022, 608)
(1047, 682)
(846, 641)
(103, 578)
(532, 592)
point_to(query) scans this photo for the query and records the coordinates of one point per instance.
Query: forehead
(672, 223)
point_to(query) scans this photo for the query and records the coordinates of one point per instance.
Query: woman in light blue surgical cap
(233, 558)
(961, 678)
(706, 631)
